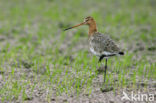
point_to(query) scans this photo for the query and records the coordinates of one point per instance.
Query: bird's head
(89, 20)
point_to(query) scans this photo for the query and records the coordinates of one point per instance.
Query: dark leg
(101, 57)
(105, 70)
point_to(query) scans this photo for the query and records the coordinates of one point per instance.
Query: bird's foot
(106, 88)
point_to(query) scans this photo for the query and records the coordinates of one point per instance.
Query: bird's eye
(86, 19)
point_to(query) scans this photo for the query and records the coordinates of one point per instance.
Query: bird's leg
(105, 70)
(101, 57)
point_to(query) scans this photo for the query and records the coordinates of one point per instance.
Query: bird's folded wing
(103, 44)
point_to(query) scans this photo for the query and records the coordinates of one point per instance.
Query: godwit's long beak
(75, 26)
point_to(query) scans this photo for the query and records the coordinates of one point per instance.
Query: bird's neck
(92, 28)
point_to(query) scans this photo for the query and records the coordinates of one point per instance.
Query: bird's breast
(92, 49)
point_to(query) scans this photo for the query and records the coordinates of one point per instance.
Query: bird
(100, 44)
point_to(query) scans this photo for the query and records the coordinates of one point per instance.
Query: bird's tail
(121, 53)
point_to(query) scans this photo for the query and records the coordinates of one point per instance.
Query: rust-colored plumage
(100, 45)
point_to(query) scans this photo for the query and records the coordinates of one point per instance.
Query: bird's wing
(103, 44)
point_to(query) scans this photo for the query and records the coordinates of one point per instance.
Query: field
(39, 62)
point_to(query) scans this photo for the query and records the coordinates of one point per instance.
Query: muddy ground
(97, 95)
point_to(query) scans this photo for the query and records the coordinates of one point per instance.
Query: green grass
(36, 55)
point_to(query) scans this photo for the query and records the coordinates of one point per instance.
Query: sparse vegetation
(39, 60)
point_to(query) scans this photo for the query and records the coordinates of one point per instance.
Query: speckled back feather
(103, 44)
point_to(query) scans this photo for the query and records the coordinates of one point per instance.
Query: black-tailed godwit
(100, 45)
